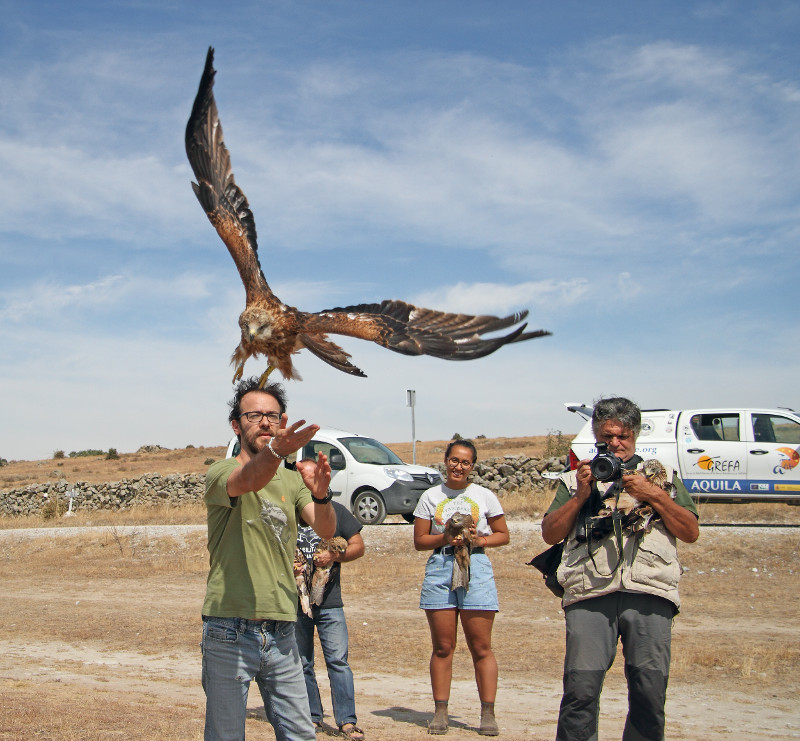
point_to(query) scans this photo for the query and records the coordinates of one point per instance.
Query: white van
(722, 455)
(367, 477)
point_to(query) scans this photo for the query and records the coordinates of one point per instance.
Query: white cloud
(493, 298)
(51, 300)
(45, 300)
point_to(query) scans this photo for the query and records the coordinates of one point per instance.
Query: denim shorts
(437, 595)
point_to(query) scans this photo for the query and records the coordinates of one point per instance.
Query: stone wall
(152, 488)
(508, 473)
(514, 473)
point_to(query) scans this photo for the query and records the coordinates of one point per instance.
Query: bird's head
(256, 324)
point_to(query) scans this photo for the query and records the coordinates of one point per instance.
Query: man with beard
(253, 507)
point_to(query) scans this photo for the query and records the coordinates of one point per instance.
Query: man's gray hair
(617, 409)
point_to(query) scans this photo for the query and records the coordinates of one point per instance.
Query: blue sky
(627, 171)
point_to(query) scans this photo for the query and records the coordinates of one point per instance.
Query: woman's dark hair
(464, 443)
(617, 409)
(275, 390)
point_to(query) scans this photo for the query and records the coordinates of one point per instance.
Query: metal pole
(411, 400)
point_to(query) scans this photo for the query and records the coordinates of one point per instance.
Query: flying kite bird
(271, 328)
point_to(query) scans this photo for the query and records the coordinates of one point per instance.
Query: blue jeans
(437, 595)
(236, 651)
(332, 631)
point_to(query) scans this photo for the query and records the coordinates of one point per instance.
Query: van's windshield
(367, 450)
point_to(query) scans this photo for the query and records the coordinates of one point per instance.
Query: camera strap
(632, 462)
(616, 519)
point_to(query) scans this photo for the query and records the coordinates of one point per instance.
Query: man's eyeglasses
(457, 462)
(273, 418)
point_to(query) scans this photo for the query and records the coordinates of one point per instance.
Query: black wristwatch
(327, 499)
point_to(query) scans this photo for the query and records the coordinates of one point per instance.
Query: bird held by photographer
(639, 516)
(275, 330)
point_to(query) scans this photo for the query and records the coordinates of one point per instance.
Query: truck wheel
(368, 508)
(409, 517)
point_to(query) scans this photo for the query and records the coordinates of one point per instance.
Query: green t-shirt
(681, 496)
(251, 542)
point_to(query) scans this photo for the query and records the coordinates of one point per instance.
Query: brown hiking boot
(488, 723)
(438, 726)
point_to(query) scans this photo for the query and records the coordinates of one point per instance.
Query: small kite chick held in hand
(323, 566)
(459, 526)
(302, 576)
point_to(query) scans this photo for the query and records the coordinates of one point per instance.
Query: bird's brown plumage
(302, 578)
(271, 328)
(638, 516)
(460, 524)
(319, 579)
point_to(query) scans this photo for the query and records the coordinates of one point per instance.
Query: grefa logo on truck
(715, 465)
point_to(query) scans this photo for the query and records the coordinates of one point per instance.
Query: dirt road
(111, 616)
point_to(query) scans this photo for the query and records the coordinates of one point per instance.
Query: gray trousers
(644, 623)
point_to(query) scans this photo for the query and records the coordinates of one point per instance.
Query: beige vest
(649, 562)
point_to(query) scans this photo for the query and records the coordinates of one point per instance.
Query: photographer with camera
(618, 582)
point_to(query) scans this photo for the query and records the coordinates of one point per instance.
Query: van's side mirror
(336, 460)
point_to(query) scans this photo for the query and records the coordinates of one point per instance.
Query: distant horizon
(191, 446)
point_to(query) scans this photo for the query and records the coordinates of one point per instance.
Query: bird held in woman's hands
(459, 525)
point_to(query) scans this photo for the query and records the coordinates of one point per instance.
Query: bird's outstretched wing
(221, 198)
(413, 330)
(275, 330)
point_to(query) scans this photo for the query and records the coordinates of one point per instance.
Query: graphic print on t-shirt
(462, 503)
(275, 519)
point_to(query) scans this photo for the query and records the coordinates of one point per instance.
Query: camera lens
(606, 466)
(603, 468)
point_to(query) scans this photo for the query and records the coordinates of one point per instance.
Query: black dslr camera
(606, 466)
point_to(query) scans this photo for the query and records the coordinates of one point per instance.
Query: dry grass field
(99, 468)
(100, 629)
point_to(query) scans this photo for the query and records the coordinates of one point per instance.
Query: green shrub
(556, 444)
(54, 506)
(58, 454)
(86, 453)
(112, 454)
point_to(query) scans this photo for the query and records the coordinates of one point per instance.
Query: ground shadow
(414, 717)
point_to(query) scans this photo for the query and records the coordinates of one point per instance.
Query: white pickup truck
(722, 455)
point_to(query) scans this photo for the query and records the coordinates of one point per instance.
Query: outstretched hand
(288, 439)
(316, 474)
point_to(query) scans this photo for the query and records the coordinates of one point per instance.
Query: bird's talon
(264, 376)
(239, 371)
